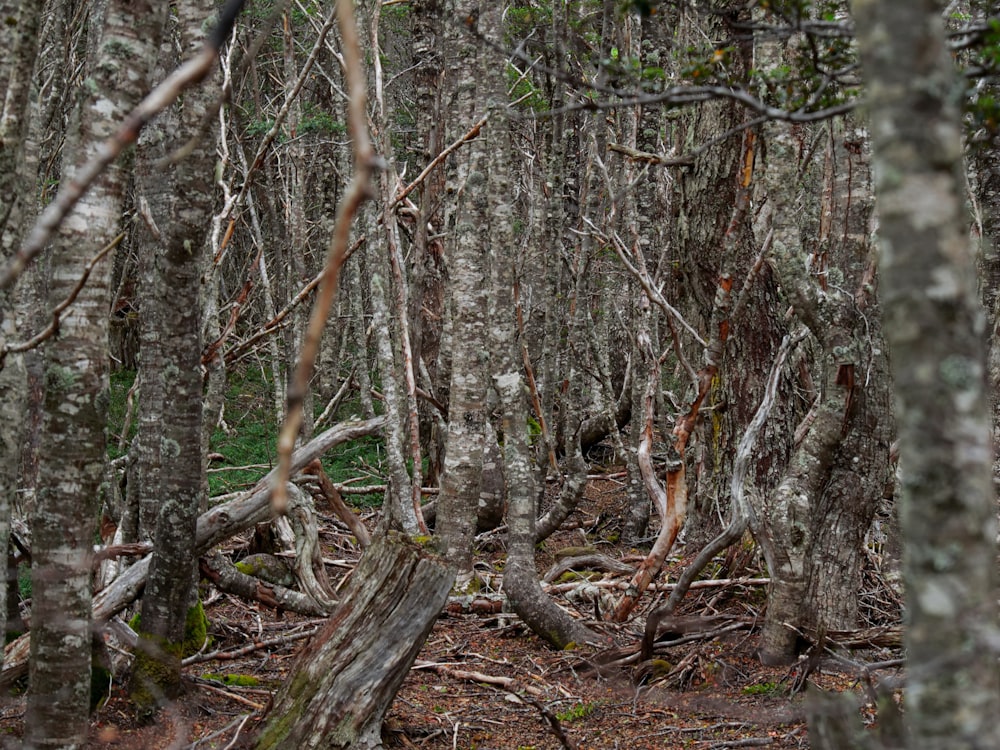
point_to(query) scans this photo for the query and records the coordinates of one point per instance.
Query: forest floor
(484, 681)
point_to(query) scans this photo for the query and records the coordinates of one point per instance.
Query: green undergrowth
(234, 680)
(251, 434)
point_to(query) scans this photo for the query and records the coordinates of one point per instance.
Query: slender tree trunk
(463, 459)
(934, 326)
(73, 444)
(180, 203)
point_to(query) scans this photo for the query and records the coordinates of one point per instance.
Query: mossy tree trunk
(180, 208)
(346, 678)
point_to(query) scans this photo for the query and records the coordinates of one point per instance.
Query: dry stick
(558, 588)
(676, 479)
(332, 496)
(364, 160)
(236, 653)
(23, 346)
(191, 72)
(739, 508)
(418, 180)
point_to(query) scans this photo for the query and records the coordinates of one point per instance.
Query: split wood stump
(345, 679)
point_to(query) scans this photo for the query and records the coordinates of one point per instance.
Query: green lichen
(59, 379)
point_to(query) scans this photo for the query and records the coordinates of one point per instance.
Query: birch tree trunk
(123, 44)
(934, 326)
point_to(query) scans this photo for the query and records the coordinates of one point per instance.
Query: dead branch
(364, 162)
(418, 180)
(595, 561)
(236, 653)
(218, 569)
(328, 492)
(53, 327)
(309, 568)
(740, 509)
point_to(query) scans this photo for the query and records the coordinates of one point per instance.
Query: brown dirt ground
(716, 695)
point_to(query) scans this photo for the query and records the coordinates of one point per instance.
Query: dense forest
(627, 324)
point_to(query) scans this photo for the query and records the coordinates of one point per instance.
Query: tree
(934, 326)
(180, 205)
(123, 42)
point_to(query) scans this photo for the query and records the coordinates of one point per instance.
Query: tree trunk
(180, 205)
(346, 678)
(933, 323)
(463, 458)
(124, 42)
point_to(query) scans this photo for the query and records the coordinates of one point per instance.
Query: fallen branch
(556, 588)
(236, 653)
(204, 685)
(218, 569)
(328, 491)
(214, 526)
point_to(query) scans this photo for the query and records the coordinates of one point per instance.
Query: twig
(418, 180)
(221, 655)
(364, 161)
(203, 684)
(53, 327)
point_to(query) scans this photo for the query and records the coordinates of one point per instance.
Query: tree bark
(180, 205)
(463, 459)
(124, 42)
(934, 326)
(346, 678)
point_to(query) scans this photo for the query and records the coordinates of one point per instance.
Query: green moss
(156, 674)
(565, 552)
(195, 629)
(764, 688)
(234, 680)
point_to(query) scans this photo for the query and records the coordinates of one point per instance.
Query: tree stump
(346, 678)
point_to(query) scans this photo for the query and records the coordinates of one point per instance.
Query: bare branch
(364, 161)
